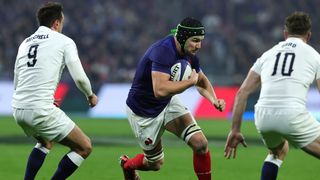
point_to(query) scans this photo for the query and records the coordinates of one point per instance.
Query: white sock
(276, 161)
(42, 148)
(75, 158)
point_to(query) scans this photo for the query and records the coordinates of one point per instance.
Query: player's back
(287, 70)
(38, 68)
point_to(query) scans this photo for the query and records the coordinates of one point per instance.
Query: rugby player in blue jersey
(153, 107)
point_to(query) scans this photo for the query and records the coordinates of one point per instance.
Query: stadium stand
(112, 35)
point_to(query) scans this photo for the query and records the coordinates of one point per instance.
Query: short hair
(48, 13)
(298, 23)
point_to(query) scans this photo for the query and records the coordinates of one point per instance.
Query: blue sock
(65, 168)
(35, 161)
(269, 171)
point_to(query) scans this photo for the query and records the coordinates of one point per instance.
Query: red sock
(202, 165)
(135, 163)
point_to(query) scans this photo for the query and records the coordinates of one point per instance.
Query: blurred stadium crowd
(111, 35)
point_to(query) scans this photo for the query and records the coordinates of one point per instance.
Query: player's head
(298, 24)
(51, 16)
(189, 32)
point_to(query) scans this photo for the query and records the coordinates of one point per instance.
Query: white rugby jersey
(39, 64)
(286, 72)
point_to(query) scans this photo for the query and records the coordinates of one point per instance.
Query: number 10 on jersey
(288, 60)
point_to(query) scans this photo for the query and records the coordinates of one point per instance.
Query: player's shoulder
(52, 35)
(62, 38)
(311, 50)
(163, 43)
(301, 45)
(163, 47)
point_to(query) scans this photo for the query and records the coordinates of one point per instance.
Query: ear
(55, 25)
(178, 46)
(285, 34)
(309, 36)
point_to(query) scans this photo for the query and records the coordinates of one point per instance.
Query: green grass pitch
(112, 138)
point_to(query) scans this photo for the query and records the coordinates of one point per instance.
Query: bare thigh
(77, 141)
(313, 148)
(177, 125)
(197, 142)
(281, 150)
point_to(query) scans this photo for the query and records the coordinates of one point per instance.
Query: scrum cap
(187, 28)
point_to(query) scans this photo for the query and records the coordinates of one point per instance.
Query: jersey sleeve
(75, 68)
(160, 67)
(318, 71)
(70, 52)
(162, 55)
(195, 64)
(15, 77)
(80, 78)
(257, 66)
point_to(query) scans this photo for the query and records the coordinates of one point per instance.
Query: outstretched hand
(234, 138)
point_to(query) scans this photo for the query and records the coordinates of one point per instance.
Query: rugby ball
(181, 70)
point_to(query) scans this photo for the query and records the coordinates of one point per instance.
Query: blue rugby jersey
(159, 57)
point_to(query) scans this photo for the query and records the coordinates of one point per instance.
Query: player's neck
(303, 38)
(178, 46)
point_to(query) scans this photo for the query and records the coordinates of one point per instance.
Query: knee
(199, 144)
(281, 151)
(47, 145)
(155, 166)
(86, 149)
(285, 149)
(44, 147)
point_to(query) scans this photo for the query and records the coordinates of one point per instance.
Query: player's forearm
(238, 110)
(84, 86)
(80, 78)
(170, 88)
(210, 95)
(205, 88)
(15, 79)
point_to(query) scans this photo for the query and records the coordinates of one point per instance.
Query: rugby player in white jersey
(285, 73)
(40, 61)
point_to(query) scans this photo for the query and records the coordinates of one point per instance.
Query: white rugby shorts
(148, 131)
(296, 125)
(51, 124)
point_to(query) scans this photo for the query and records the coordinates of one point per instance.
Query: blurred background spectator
(111, 35)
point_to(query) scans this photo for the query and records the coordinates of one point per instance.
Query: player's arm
(205, 88)
(80, 78)
(250, 84)
(77, 73)
(318, 84)
(163, 87)
(15, 76)
(15, 73)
